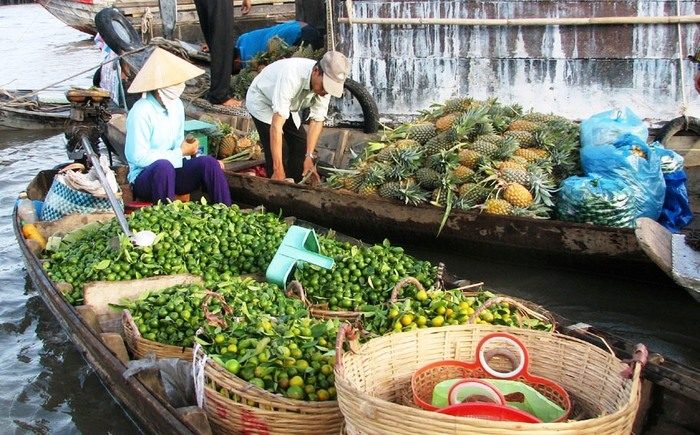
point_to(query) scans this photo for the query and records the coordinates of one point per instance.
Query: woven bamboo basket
(140, 346)
(372, 381)
(236, 406)
(321, 311)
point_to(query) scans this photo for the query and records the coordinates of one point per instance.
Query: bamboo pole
(523, 21)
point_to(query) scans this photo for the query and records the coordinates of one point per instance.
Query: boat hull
(564, 244)
(671, 390)
(151, 415)
(81, 16)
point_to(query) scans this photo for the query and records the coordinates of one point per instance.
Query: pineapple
(506, 147)
(403, 144)
(497, 206)
(492, 138)
(517, 195)
(522, 125)
(390, 190)
(541, 117)
(227, 146)
(473, 123)
(353, 182)
(368, 189)
(460, 104)
(411, 193)
(427, 178)
(442, 162)
(385, 154)
(512, 164)
(462, 174)
(531, 154)
(445, 122)
(473, 193)
(513, 175)
(487, 149)
(421, 133)
(524, 138)
(440, 142)
(468, 158)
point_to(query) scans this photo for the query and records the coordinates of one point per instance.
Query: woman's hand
(189, 148)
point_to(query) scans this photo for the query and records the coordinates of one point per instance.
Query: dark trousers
(293, 147)
(161, 181)
(216, 21)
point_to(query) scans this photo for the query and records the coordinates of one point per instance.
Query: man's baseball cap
(336, 68)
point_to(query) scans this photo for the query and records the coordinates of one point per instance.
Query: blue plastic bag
(636, 164)
(596, 200)
(607, 128)
(676, 212)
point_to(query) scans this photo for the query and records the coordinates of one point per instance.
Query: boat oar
(141, 238)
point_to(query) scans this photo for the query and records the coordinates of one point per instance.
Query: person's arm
(138, 149)
(245, 7)
(276, 147)
(697, 81)
(315, 128)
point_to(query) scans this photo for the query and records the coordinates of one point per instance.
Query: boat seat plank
(88, 315)
(197, 418)
(100, 294)
(115, 343)
(655, 240)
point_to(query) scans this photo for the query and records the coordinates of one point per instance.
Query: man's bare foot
(231, 102)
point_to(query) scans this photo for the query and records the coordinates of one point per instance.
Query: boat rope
(198, 365)
(33, 93)
(147, 25)
(682, 59)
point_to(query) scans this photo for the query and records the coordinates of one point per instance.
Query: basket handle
(521, 308)
(399, 285)
(482, 392)
(639, 358)
(349, 332)
(213, 319)
(290, 292)
(483, 355)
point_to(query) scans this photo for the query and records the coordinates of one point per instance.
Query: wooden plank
(655, 241)
(115, 343)
(99, 294)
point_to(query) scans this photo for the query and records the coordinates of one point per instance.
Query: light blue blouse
(153, 133)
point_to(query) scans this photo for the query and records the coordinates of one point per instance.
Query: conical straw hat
(163, 69)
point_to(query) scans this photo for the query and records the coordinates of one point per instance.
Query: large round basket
(140, 346)
(372, 380)
(235, 406)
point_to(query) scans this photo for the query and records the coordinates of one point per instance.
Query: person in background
(291, 32)
(161, 162)
(216, 21)
(274, 100)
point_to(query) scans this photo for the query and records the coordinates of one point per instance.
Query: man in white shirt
(276, 97)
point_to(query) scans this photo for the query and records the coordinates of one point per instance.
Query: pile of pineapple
(470, 154)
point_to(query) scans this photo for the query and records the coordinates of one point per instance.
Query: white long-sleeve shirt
(284, 87)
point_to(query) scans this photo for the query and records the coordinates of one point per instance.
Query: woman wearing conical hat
(161, 162)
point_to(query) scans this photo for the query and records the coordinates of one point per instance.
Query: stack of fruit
(470, 154)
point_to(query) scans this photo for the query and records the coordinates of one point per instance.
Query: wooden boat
(29, 110)
(552, 243)
(671, 390)
(145, 16)
(671, 253)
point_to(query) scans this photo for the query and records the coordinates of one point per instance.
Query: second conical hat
(163, 69)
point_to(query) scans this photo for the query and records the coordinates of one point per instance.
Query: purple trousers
(161, 181)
